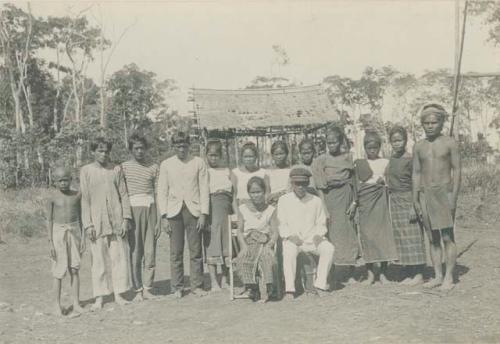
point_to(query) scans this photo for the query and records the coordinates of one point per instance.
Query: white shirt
(302, 217)
(279, 179)
(378, 168)
(183, 182)
(220, 180)
(242, 179)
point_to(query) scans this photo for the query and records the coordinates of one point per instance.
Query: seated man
(302, 226)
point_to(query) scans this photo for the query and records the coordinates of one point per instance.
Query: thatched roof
(262, 109)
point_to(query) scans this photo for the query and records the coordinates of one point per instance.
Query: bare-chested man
(65, 237)
(436, 182)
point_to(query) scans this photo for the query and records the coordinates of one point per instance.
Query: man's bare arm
(417, 170)
(50, 225)
(457, 172)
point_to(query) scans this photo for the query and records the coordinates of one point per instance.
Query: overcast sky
(225, 44)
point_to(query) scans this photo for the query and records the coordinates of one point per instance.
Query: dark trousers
(141, 239)
(184, 225)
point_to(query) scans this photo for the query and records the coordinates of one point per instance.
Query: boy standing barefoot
(66, 241)
(436, 182)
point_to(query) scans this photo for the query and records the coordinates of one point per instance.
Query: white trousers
(290, 251)
(110, 265)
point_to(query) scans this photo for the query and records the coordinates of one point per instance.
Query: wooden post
(456, 83)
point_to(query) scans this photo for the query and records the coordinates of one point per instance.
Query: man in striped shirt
(141, 177)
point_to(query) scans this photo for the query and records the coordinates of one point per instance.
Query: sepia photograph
(250, 171)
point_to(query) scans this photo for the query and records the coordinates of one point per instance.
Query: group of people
(330, 206)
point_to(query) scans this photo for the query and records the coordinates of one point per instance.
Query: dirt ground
(353, 314)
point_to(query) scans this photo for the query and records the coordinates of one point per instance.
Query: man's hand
(418, 210)
(125, 227)
(52, 250)
(202, 222)
(352, 210)
(166, 225)
(82, 246)
(380, 181)
(296, 240)
(158, 229)
(453, 210)
(92, 233)
(317, 239)
(270, 244)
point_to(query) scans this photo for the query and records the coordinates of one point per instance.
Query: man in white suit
(183, 201)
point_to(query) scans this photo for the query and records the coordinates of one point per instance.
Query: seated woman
(257, 236)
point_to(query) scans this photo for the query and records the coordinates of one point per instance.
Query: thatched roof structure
(262, 111)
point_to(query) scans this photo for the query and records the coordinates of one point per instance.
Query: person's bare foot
(369, 279)
(57, 311)
(322, 292)
(138, 297)
(447, 285)
(289, 296)
(97, 304)
(77, 308)
(148, 295)
(199, 292)
(433, 283)
(120, 300)
(384, 279)
(351, 280)
(418, 279)
(406, 281)
(178, 294)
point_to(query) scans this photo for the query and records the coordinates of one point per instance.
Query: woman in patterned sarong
(257, 235)
(333, 174)
(375, 227)
(408, 233)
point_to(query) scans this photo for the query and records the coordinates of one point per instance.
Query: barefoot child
(106, 217)
(375, 228)
(334, 177)
(257, 236)
(66, 239)
(278, 174)
(436, 182)
(408, 234)
(221, 198)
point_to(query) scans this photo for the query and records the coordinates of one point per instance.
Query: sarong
(66, 238)
(408, 236)
(217, 240)
(435, 202)
(341, 230)
(375, 227)
(257, 258)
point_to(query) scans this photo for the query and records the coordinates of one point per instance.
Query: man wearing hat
(302, 226)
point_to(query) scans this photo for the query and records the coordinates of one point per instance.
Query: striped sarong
(408, 236)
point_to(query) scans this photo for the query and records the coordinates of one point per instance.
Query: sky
(225, 44)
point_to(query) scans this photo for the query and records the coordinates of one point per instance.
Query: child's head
(101, 148)
(372, 143)
(398, 138)
(256, 188)
(180, 141)
(299, 178)
(214, 153)
(279, 152)
(306, 150)
(62, 178)
(249, 155)
(138, 145)
(432, 118)
(334, 140)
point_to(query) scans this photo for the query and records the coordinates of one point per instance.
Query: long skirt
(408, 236)
(375, 227)
(341, 231)
(257, 258)
(216, 240)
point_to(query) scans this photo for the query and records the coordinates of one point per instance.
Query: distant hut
(262, 116)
